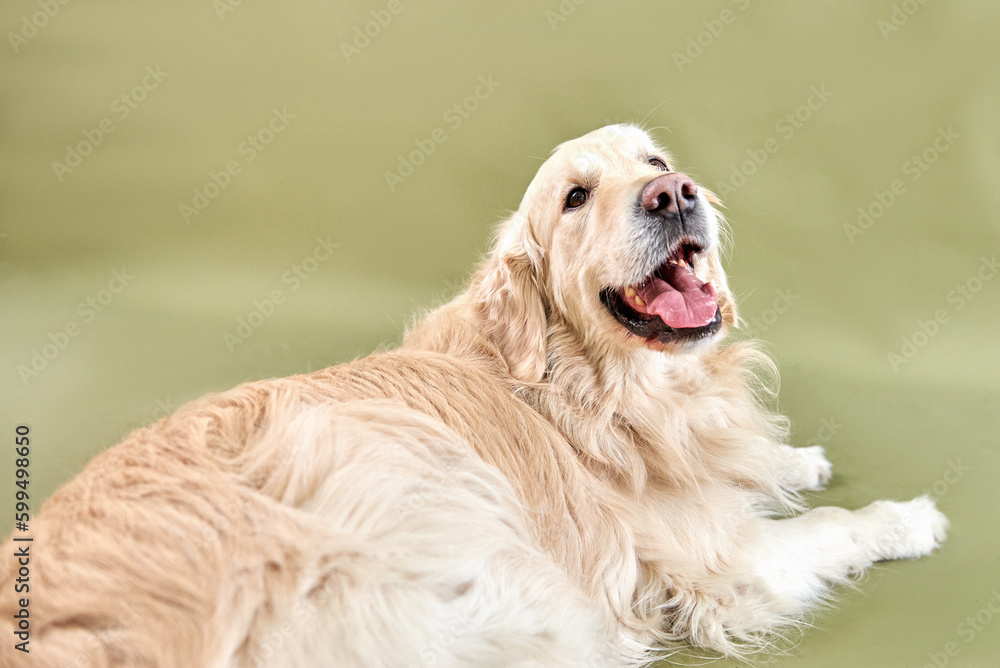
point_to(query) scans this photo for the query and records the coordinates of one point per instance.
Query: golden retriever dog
(562, 466)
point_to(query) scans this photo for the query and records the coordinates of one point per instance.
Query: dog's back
(313, 520)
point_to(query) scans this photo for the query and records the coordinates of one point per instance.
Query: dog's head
(614, 242)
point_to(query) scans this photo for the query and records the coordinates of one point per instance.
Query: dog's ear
(507, 293)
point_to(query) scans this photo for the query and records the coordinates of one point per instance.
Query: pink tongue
(681, 301)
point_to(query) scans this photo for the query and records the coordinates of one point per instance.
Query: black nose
(671, 196)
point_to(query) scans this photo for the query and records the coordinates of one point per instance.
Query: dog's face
(620, 245)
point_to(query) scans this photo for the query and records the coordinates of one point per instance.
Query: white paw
(908, 529)
(809, 468)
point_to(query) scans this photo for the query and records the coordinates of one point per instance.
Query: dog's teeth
(682, 263)
(638, 301)
(630, 291)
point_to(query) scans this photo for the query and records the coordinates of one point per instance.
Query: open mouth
(671, 304)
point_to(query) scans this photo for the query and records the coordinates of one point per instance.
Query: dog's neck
(630, 396)
(626, 396)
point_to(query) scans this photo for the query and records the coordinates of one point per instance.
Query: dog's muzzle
(669, 303)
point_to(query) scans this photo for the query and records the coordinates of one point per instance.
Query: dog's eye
(576, 198)
(659, 164)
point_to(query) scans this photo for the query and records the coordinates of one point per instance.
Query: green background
(929, 423)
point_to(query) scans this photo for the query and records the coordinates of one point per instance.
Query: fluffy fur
(523, 483)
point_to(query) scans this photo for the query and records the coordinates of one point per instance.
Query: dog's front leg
(798, 559)
(805, 469)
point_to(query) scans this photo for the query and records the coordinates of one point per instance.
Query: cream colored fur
(522, 483)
